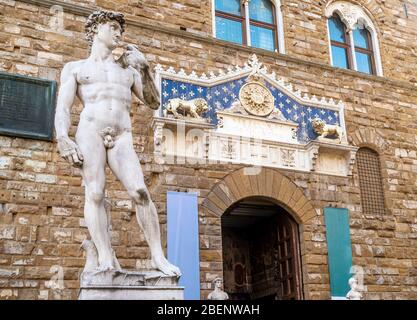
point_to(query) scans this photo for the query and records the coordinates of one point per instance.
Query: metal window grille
(370, 181)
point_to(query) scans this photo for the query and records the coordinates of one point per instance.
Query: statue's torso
(105, 89)
(218, 295)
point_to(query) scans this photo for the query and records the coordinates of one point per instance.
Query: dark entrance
(261, 256)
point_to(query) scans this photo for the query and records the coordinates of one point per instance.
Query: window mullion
(247, 22)
(352, 50)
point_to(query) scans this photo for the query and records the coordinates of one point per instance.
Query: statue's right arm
(67, 92)
(66, 98)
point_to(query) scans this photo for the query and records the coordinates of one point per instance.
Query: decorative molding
(351, 161)
(250, 68)
(236, 124)
(178, 141)
(314, 154)
(213, 18)
(288, 157)
(350, 14)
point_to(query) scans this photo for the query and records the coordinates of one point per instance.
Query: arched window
(353, 38)
(256, 23)
(370, 181)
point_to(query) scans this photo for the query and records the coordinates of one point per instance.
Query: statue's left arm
(146, 89)
(144, 86)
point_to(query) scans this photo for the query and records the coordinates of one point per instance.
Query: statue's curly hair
(98, 17)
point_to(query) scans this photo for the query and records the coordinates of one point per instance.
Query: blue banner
(183, 242)
(339, 250)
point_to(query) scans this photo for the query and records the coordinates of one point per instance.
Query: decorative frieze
(253, 66)
(252, 118)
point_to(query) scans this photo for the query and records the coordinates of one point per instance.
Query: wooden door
(288, 259)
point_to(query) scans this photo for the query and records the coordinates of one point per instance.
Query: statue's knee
(96, 196)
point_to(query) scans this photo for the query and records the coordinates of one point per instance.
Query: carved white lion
(324, 130)
(179, 107)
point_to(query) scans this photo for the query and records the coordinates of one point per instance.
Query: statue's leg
(125, 165)
(175, 112)
(195, 114)
(93, 171)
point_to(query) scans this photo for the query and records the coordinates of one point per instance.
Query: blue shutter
(183, 242)
(339, 250)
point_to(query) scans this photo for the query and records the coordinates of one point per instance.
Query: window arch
(358, 49)
(370, 181)
(256, 23)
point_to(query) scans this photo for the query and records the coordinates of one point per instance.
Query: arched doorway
(261, 251)
(274, 187)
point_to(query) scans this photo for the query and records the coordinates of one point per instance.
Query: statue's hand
(135, 58)
(69, 150)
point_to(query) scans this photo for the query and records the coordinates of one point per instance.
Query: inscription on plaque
(27, 106)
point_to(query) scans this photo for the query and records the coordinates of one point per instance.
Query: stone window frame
(371, 138)
(353, 15)
(366, 194)
(279, 32)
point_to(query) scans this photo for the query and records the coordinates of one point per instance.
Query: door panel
(288, 260)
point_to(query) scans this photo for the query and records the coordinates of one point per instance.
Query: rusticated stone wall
(41, 196)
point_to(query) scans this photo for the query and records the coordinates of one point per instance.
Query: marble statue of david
(104, 133)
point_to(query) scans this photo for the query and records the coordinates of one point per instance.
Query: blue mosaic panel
(303, 115)
(221, 97)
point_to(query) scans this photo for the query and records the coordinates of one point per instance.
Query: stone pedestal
(126, 285)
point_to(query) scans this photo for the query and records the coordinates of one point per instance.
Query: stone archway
(369, 137)
(261, 182)
(269, 183)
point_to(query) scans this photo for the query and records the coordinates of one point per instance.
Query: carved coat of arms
(257, 99)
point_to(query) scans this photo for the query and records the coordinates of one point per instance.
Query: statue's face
(202, 105)
(353, 283)
(218, 284)
(317, 124)
(109, 33)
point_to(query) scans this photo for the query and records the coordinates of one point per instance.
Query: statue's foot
(163, 265)
(105, 266)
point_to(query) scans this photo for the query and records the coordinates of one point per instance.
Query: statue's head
(318, 125)
(217, 283)
(106, 27)
(353, 283)
(202, 105)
